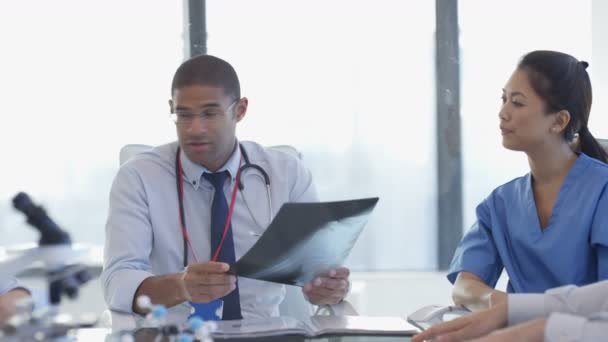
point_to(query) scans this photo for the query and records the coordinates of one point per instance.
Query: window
(79, 80)
(351, 85)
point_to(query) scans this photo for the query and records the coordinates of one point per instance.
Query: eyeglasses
(186, 118)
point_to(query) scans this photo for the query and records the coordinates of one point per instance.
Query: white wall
(598, 68)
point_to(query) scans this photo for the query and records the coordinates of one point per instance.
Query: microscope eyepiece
(50, 233)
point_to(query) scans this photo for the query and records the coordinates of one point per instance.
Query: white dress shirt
(574, 313)
(143, 234)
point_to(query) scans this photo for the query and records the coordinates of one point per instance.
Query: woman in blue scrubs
(550, 227)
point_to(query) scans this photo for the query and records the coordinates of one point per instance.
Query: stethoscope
(240, 187)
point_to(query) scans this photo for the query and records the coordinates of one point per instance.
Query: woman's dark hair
(563, 82)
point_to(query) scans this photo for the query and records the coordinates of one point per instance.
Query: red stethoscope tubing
(228, 218)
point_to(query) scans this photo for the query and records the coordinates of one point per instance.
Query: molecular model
(195, 329)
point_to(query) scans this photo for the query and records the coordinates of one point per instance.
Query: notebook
(315, 326)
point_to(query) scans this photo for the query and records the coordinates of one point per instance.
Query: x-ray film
(305, 239)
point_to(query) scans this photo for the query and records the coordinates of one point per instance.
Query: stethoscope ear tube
(180, 199)
(180, 193)
(254, 166)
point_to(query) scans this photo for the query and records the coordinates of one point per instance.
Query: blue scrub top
(572, 249)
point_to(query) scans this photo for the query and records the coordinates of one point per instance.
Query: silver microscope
(64, 277)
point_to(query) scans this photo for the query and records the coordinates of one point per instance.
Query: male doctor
(177, 219)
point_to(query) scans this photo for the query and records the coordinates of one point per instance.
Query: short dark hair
(563, 83)
(207, 70)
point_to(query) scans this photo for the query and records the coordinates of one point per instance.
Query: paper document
(316, 326)
(305, 239)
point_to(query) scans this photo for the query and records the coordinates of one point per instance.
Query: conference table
(122, 324)
(149, 334)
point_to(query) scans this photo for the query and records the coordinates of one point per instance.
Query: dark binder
(305, 239)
